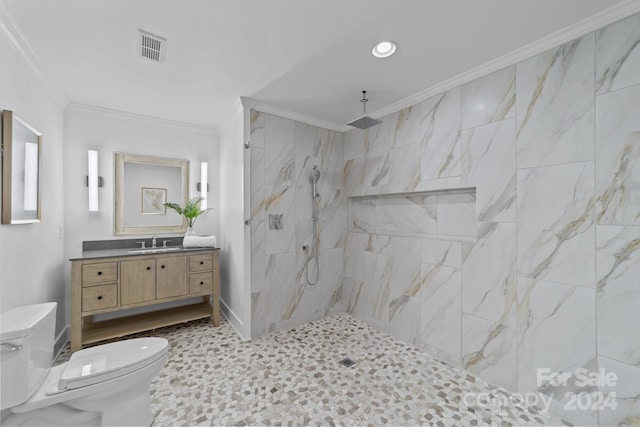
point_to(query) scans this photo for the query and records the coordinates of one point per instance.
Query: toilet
(105, 385)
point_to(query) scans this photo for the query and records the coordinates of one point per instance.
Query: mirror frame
(8, 119)
(119, 161)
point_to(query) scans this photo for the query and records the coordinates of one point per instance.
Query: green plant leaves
(190, 211)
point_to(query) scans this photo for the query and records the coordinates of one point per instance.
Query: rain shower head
(364, 122)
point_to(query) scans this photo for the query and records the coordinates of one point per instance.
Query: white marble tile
(378, 139)
(404, 168)
(442, 252)
(555, 105)
(413, 214)
(257, 128)
(353, 176)
(354, 249)
(257, 201)
(489, 99)
(626, 390)
(306, 140)
(279, 150)
(371, 300)
(556, 331)
(311, 298)
(376, 171)
(618, 157)
(258, 313)
(258, 259)
(556, 236)
(618, 55)
(405, 254)
(378, 244)
(618, 296)
(331, 158)
(489, 351)
(441, 316)
(332, 218)
(303, 168)
(489, 164)
(404, 317)
(441, 135)
(354, 144)
(457, 214)
(281, 288)
(440, 184)
(407, 129)
(281, 200)
(362, 215)
(441, 355)
(489, 287)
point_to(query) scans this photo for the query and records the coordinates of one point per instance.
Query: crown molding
(263, 107)
(581, 28)
(109, 112)
(10, 28)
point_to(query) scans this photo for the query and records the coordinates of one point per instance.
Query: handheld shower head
(315, 174)
(314, 177)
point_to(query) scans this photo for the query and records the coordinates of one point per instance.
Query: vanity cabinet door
(137, 281)
(171, 276)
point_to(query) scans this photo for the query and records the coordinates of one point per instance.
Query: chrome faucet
(153, 242)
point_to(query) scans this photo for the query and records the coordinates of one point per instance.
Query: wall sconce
(93, 180)
(203, 185)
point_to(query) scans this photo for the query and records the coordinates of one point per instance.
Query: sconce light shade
(204, 184)
(92, 180)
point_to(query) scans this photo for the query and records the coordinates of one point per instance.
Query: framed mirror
(142, 185)
(21, 158)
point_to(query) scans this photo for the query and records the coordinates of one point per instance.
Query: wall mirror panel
(21, 177)
(142, 185)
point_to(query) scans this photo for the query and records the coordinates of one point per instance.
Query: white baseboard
(234, 320)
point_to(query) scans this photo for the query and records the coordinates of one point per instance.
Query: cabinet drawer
(104, 272)
(99, 297)
(202, 262)
(200, 282)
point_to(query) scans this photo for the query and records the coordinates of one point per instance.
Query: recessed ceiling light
(384, 49)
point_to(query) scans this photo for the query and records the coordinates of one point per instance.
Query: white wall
(235, 258)
(108, 132)
(31, 255)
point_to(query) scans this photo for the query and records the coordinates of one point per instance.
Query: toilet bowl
(102, 385)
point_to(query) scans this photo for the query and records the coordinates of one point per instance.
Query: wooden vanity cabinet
(106, 285)
(137, 281)
(171, 277)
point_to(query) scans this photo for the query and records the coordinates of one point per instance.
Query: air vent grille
(152, 47)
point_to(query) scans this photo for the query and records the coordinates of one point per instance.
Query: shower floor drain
(347, 362)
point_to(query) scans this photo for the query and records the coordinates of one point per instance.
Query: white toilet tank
(26, 350)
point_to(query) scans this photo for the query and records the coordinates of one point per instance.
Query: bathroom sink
(154, 250)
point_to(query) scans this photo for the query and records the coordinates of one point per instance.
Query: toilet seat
(109, 361)
(146, 364)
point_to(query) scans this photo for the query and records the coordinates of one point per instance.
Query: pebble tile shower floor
(295, 377)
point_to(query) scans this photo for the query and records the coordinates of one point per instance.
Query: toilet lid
(108, 361)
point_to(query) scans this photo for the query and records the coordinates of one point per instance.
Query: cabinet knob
(201, 262)
(148, 268)
(202, 283)
(99, 296)
(162, 266)
(99, 273)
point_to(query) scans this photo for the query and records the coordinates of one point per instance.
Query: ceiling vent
(152, 47)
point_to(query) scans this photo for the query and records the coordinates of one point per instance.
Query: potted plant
(191, 211)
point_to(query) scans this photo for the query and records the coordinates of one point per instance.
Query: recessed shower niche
(441, 214)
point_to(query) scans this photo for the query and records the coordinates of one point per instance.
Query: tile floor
(294, 377)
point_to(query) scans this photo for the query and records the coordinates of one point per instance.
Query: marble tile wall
(545, 272)
(282, 155)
